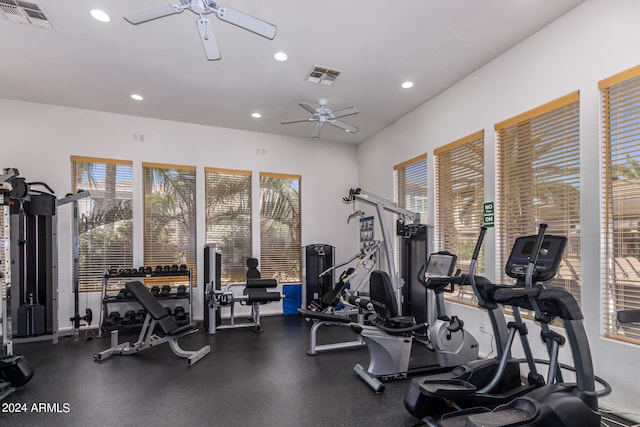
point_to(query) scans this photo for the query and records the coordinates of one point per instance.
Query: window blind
(169, 217)
(620, 193)
(105, 218)
(280, 242)
(459, 195)
(538, 166)
(228, 219)
(410, 192)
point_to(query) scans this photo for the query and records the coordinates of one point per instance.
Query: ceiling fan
(202, 8)
(322, 115)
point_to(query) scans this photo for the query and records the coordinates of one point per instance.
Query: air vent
(322, 75)
(24, 12)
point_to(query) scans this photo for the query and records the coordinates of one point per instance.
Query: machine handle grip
(476, 251)
(533, 259)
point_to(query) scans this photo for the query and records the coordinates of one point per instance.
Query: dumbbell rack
(108, 300)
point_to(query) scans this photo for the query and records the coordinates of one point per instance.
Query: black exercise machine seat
(383, 300)
(157, 312)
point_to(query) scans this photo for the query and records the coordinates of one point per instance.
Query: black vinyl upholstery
(157, 312)
(382, 295)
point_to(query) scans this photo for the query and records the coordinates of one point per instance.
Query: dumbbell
(174, 268)
(165, 291)
(181, 291)
(140, 315)
(166, 269)
(155, 290)
(180, 314)
(123, 294)
(112, 319)
(129, 317)
(147, 270)
(158, 269)
(183, 268)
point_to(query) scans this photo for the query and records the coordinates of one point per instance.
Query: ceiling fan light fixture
(280, 56)
(136, 97)
(407, 85)
(100, 15)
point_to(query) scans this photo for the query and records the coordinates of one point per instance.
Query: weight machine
(416, 245)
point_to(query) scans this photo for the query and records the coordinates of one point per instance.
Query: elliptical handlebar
(472, 265)
(535, 252)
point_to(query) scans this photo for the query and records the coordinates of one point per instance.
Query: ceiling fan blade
(345, 126)
(152, 13)
(247, 22)
(311, 119)
(316, 132)
(208, 39)
(308, 107)
(345, 112)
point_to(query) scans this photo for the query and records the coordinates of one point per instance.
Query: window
(228, 219)
(411, 185)
(538, 166)
(459, 197)
(169, 216)
(621, 201)
(280, 250)
(410, 192)
(105, 218)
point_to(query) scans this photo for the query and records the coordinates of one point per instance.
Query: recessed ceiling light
(407, 85)
(256, 115)
(100, 15)
(280, 56)
(136, 97)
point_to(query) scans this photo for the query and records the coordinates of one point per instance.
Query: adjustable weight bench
(156, 315)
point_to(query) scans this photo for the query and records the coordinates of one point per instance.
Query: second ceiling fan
(323, 115)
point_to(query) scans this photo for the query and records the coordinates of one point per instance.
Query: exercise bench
(156, 315)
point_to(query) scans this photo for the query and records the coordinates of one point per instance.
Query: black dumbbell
(129, 317)
(155, 290)
(122, 294)
(139, 317)
(148, 270)
(183, 268)
(174, 268)
(166, 269)
(180, 314)
(181, 291)
(112, 319)
(165, 291)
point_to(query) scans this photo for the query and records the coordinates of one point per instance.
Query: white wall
(38, 139)
(595, 40)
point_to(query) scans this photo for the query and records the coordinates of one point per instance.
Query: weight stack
(317, 258)
(31, 320)
(212, 278)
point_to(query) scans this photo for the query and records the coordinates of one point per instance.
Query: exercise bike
(389, 337)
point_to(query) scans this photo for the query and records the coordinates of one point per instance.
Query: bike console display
(548, 261)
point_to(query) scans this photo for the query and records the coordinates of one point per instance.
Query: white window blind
(228, 219)
(459, 194)
(105, 218)
(538, 181)
(280, 240)
(621, 201)
(169, 217)
(410, 192)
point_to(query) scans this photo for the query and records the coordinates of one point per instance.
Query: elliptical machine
(557, 403)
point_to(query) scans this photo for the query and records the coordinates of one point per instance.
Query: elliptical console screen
(548, 262)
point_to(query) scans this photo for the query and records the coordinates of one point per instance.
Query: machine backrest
(382, 294)
(252, 265)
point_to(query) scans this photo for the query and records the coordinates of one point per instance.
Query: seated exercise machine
(557, 403)
(156, 315)
(389, 337)
(324, 312)
(254, 294)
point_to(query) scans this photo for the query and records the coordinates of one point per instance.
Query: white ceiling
(377, 45)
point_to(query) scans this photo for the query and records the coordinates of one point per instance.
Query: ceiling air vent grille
(322, 75)
(24, 12)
